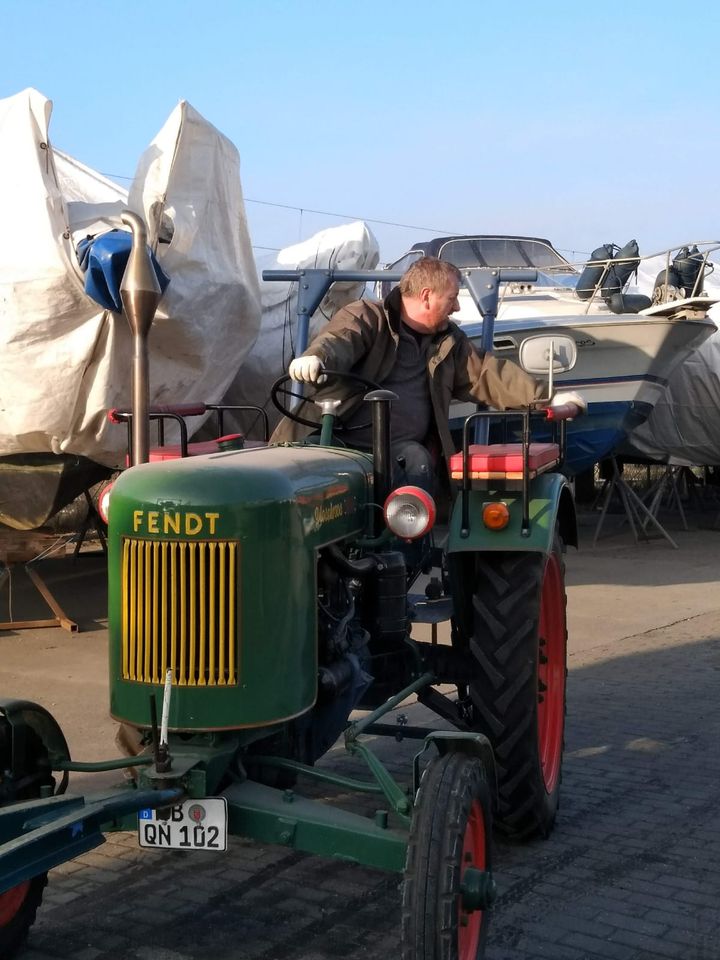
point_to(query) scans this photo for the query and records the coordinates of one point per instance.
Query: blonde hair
(428, 272)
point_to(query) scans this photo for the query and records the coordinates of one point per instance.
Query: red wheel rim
(551, 673)
(11, 901)
(473, 855)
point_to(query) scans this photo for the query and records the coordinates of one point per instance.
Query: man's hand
(562, 399)
(307, 370)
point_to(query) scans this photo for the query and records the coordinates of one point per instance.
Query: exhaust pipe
(381, 401)
(140, 294)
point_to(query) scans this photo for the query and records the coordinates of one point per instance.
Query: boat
(66, 350)
(629, 341)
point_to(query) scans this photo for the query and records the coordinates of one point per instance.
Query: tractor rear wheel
(517, 691)
(18, 907)
(448, 884)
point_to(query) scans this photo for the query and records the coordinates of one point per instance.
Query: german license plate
(192, 825)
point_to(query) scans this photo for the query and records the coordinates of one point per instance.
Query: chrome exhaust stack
(140, 294)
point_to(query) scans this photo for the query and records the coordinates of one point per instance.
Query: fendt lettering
(165, 522)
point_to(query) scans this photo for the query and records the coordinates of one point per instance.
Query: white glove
(569, 396)
(307, 370)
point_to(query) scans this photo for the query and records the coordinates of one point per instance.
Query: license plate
(192, 825)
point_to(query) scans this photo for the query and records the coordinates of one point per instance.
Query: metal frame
(505, 415)
(60, 619)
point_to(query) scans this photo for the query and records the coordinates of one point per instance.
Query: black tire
(519, 651)
(28, 754)
(18, 907)
(450, 831)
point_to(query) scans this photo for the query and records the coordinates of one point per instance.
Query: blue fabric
(104, 258)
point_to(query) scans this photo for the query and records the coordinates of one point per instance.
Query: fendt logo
(166, 522)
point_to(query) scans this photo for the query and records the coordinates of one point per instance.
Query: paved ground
(632, 871)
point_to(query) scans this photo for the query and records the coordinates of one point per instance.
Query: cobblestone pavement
(632, 871)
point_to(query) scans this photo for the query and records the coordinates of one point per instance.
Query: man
(408, 345)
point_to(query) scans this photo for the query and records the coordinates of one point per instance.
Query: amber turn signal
(496, 516)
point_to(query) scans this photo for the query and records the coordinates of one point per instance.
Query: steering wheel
(279, 388)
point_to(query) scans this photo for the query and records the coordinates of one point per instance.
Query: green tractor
(262, 603)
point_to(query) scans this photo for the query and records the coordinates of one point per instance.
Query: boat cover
(684, 427)
(350, 246)
(63, 360)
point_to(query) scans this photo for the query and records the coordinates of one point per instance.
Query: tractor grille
(179, 611)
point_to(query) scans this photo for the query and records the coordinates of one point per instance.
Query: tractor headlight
(103, 502)
(409, 512)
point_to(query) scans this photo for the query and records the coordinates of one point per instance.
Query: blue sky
(583, 123)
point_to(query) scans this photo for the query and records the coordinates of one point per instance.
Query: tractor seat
(504, 461)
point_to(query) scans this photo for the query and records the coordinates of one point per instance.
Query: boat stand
(667, 487)
(60, 619)
(637, 513)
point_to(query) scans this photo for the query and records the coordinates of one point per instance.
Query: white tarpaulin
(350, 246)
(63, 360)
(684, 426)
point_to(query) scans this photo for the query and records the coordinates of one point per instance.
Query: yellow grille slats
(200, 680)
(179, 611)
(155, 608)
(221, 611)
(132, 611)
(193, 605)
(125, 601)
(212, 611)
(183, 615)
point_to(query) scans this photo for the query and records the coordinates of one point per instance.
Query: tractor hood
(316, 493)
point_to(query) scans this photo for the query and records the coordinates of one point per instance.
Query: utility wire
(347, 216)
(341, 216)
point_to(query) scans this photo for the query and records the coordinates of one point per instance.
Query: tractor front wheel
(448, 884)
(517, 689)
(18, 907)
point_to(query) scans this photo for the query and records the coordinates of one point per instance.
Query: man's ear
(425, 296)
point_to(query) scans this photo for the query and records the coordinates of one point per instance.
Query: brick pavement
(632, 871)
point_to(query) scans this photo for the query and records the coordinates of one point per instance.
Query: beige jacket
(363, 338)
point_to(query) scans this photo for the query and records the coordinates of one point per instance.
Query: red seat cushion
(172, 451)
(497, 461)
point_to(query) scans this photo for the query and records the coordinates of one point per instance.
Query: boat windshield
(504, 252)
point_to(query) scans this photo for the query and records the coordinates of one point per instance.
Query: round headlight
(409, 512)
(103, 502)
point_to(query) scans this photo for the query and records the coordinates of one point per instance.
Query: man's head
(429, 293)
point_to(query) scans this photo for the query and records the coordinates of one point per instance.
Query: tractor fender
(551, 504)
(475, 744)
(30, 723)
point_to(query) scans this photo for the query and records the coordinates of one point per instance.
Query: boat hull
(622, 371)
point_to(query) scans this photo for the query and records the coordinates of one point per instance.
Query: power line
(322, 213)
(343, 216)
(347, 216)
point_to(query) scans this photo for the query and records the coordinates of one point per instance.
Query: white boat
(625, 359)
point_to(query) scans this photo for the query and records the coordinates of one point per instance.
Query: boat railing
(626, 290)
(664, 290)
